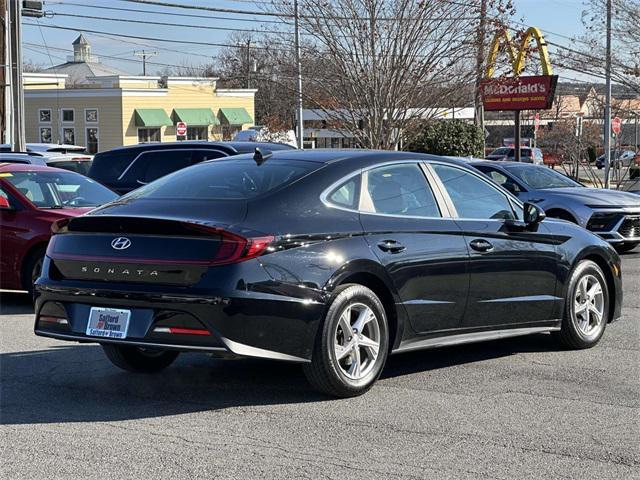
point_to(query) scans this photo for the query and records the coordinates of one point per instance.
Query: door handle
(391, 246)
(481, 245)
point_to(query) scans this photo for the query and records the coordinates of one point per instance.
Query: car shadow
(76, 383)
(15, 303)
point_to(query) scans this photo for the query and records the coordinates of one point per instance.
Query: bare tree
(384, 63)
(587, 54)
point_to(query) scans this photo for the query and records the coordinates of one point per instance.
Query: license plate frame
(106, 322)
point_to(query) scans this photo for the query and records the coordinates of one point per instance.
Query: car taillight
(80, 158)
(235, 248)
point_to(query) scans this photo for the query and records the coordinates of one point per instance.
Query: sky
(559, 19)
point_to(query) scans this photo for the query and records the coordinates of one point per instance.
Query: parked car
(619, 158)
(634, 168)
(527, 155)
(32, 197)
(613, 215)
(24, 158)
(126, 168)
(67, 157)
(328, 258)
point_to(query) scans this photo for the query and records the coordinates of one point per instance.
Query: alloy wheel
(357, 341)
(589, 305)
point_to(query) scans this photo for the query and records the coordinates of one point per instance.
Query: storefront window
(197, 133)
(148, 135)
(45, 135)
(92, 140)
(69, 136)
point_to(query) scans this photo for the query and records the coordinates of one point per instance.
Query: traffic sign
(181, 129)
(616, 125)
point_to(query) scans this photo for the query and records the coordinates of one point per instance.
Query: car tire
(347, 360)
(586, 311)
(31, 269)
(139, 360)
(626, 247)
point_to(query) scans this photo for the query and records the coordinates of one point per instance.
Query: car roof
(239, 147)
(27, 167)
(492, 163)
(360, 156)
(47, 146)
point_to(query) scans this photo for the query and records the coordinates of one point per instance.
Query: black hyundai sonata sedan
(333, 259)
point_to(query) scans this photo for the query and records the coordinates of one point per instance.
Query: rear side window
(234, 179)
(346, 195)
(107, 167)
(155, 164)
(400, 190)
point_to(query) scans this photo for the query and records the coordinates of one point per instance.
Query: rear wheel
(627, 247)
(352, 344)
(586, 308)
(137, 359)
(32, 268)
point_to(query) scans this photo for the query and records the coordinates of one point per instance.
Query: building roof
(80, 41)
(79, 72)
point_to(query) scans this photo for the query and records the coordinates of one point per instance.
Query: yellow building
(108, 111)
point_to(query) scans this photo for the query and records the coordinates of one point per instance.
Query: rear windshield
(234, 179)
(78, 166)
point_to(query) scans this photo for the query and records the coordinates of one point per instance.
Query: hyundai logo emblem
(120, 243)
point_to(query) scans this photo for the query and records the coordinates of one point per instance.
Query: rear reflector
(56, 320)
(181, 331)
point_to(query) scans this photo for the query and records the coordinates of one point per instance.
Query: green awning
(235, 116)
(152, 117)
(195, 116)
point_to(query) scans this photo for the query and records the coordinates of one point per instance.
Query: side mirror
(533, 214)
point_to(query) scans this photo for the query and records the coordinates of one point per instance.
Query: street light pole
(300, 126)
(18, 142)
(607, 107)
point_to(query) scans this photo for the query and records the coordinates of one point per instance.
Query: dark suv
(126, 168)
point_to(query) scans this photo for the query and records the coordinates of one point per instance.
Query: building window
(91, 115)
(45, 135)
(197, 133)
(148, 135)
(69, 136)
(229, 131)
(68, 115)
(92, 140)
(44, 115)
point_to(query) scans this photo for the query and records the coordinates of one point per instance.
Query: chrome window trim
(166, 150)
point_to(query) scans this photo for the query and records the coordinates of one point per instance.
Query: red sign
(616, 125)
(519, 93)
(181, 129)
(536, 122)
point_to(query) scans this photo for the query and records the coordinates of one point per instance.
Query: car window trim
(161, 150)
(482, 177)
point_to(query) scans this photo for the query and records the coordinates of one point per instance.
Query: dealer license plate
(108, 322)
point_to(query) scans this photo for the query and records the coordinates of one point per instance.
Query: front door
(512, 270)
(422, 249)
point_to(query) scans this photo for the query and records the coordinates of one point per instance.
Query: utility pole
(145, 54)
(3, 70)
(479, 107)
(607, 106)
(517, 140)
(248, 66)
(18, 142)
(300, 125)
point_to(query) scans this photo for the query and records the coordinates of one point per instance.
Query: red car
(32, 197)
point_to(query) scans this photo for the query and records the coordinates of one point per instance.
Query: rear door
(409, 229)
(512, 270)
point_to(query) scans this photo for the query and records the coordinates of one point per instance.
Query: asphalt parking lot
(518, 408)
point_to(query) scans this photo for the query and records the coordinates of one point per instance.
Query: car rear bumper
(241, 323)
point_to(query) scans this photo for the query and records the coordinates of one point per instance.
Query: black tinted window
(202, 155)
(152, 165)
(473, 197)
(401, 190)
(107, 167)
(237, 178)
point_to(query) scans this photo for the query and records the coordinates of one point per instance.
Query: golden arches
(518, 56)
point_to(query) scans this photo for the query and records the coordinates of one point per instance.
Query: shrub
(455, 138)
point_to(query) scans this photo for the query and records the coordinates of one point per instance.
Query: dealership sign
(519, 93)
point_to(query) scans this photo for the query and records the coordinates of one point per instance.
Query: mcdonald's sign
(516, 92)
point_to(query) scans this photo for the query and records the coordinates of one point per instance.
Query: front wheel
(586, 307)
(138, 359)
(352, 344)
